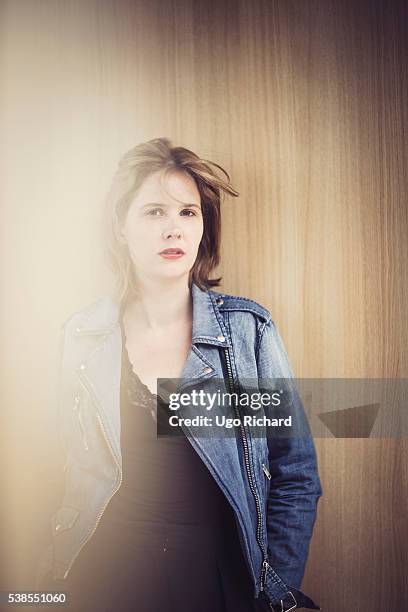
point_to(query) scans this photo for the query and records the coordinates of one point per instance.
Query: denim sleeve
(295, 485)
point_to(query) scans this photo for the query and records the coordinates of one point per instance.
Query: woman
(186, 522)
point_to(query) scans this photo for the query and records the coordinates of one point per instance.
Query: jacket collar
(208, 323)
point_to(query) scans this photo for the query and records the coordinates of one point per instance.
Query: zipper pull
(265, 566)
(266, 471)
(81, 424)
(77, 409)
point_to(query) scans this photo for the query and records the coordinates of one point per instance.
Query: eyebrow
(189, 205)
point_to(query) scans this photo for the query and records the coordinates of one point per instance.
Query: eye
(189, 210)
(154, 211)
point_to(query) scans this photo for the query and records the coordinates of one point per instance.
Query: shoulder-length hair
(134, 167)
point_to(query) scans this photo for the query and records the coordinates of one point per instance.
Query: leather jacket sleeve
(295, 485)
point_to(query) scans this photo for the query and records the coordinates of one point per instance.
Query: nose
(173, 233)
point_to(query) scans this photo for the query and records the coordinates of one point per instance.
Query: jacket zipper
(105, 504)
(265, 564)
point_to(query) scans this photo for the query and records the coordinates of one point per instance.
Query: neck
(160, 306)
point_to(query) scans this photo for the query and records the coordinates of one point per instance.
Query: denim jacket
(272, 484)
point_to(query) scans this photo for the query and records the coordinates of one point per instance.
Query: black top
(168, 538)
(164, 479)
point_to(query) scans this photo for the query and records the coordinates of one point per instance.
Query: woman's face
(164, 214)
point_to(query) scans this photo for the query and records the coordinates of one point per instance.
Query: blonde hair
(134, 167)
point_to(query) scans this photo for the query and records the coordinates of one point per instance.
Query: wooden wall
(305, 103)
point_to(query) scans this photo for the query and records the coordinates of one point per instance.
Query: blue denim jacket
(271, 483)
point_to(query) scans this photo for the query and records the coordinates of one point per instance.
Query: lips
(172, 253)
(175, 251)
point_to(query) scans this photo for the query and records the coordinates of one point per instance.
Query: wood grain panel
(305, 103)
